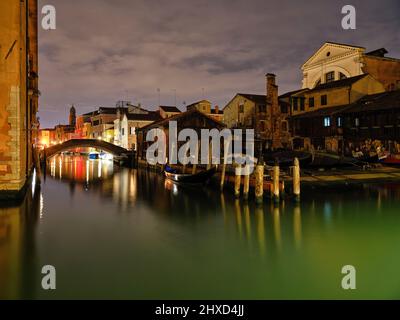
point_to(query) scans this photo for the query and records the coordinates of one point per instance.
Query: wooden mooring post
(296, 179)
(194, 168)
(259, 188)
(223, 176)
(238, 179)
(226, 152)
(275, 182)
(246, 182)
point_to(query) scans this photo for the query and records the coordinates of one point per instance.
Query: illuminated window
(327, 122)
(339, 122)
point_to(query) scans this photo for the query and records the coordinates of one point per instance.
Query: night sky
(108, 50)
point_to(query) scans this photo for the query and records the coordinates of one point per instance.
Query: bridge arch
(85, 143)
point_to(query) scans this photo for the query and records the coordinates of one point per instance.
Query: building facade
(168, 111)
(348, 97)
(126, 129)
(83, 126)
(193, 119)
(204, 106)
(46, 137)
(266, 114)
(102, 124)
(18, 94)
(336, 61)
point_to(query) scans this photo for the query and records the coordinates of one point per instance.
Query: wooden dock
(377, 174)
(278, 184)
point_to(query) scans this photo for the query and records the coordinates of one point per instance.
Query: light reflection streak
(297, 225)
(259, 213)
(277, 226)
(99, 168)
(41, 206)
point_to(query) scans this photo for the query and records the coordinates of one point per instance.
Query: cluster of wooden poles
(276, 187)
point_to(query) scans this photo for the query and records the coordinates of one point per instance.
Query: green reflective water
(120, 233)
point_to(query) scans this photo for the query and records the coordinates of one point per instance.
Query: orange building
(18, 94)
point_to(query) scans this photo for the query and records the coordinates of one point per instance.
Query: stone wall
(385, 70)
(16, 109)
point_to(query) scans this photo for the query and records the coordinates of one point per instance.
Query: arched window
(318, 82)
(330, 76)
(342, 76)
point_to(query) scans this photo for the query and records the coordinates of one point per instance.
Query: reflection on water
(80, 169)
(17, 246)
(120, 233)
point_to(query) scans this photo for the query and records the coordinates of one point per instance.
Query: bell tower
(72, 116)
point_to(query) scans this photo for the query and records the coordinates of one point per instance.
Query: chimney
(270, 79)
(271, 92)
(216, 109)
(273, 112)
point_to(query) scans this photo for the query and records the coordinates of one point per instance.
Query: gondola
(198, 178)
(370, 158)
(286, 158)
(328, 160)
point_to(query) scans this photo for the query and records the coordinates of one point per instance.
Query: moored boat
(105, 156)
(370, 157)
(286, 158)
(93, 155)
(392, 160)
(200, 177)
(329, 160)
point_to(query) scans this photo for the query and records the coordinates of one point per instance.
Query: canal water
(120, 233)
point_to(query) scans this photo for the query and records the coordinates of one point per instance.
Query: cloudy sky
(108, 50)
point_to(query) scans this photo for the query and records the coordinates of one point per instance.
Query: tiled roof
(369, 103)
(338, 83)
(345, 44)
(179, 116)
(288, 94)
(152, 116)
(377, 53)
(376, 102)
(106, 110)
(257, 98)
(321, 112)
(197, 102)
(170, 109)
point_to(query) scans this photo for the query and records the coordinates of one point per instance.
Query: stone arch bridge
(86, 143)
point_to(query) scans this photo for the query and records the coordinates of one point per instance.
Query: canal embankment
(280, 184)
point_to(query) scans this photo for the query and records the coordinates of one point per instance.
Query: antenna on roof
(158, 92)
